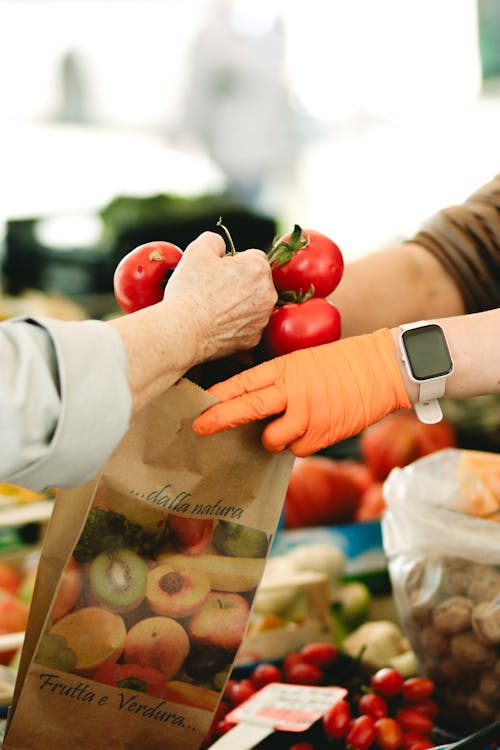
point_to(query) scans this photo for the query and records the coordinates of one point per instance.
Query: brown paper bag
(145, 584)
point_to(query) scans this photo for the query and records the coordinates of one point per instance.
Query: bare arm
(393, 286)
(450, 267)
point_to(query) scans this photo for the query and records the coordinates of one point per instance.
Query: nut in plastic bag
(442, 539)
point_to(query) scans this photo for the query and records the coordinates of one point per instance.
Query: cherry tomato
(373, 705)
(337, 719)
(321, 654)
(417, 688)
(426, 706)
(290, 661)
(141, 275)
(422, 745)
(361, 734)
(240, 692)
(415, 721)
(222, 727)
(303, 258)
(305, 674)
(264, 674)
(387, 681)
(300, 325)
(389, 733)
(414, 739)
(227, 690)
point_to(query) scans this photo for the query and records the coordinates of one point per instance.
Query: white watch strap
(427, 407)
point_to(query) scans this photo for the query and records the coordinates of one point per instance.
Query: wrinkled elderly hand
(318, 396)
(228, 298)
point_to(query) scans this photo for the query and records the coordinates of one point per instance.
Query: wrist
(412, 388)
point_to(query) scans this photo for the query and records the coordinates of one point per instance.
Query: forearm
(474, 345)
(393, 286)
(160, 345)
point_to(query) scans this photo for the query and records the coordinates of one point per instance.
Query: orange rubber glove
(323, 394)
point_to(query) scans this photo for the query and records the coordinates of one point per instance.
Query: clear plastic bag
(441, 537)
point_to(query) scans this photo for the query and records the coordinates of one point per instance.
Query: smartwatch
(427, 358)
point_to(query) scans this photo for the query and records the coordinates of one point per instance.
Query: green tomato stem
(229, 239)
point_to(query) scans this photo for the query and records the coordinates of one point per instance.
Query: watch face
(427, 352)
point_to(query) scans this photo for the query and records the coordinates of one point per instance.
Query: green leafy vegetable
(107, 531)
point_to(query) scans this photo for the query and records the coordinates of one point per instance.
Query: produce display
(328, 491)
(383, 711)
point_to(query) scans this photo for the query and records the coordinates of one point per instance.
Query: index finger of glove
(248, 381)
(240, 410)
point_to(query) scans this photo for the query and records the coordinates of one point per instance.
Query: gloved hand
(323, 394)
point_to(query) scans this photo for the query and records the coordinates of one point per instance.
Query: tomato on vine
(141, 276)
(300, 325)
(303, 259)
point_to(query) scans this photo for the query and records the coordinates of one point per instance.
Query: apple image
(220, 621)
(190, 535)
(68, 593)
(159, 642)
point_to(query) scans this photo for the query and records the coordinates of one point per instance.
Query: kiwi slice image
(118, 580)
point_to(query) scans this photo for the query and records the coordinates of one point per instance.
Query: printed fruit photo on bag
(158, 607)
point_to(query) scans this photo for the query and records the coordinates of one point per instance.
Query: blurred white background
(358, 117)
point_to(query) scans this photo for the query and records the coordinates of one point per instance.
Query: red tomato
(415, 721)
(321, 654)
(303, 258)
(387, 681)
(426, 706)
(373, 705)
(305, 674)
(414, 739)
(222, 727)
(422, 745)
(290, 661)
(337, 719)
(320, 492)
(399, 439)
(141, 275)
(389, 733)
(300, 325)
(301, 746)
(417, 688)
(264, 674)
(362, 733)
(240, 692)
(190, 535)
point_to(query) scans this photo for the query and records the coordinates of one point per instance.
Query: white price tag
(277, 707)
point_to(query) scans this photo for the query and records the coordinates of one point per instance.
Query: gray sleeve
(65, 402)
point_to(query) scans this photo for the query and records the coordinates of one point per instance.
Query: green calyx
(283, 251)
(291, 297)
